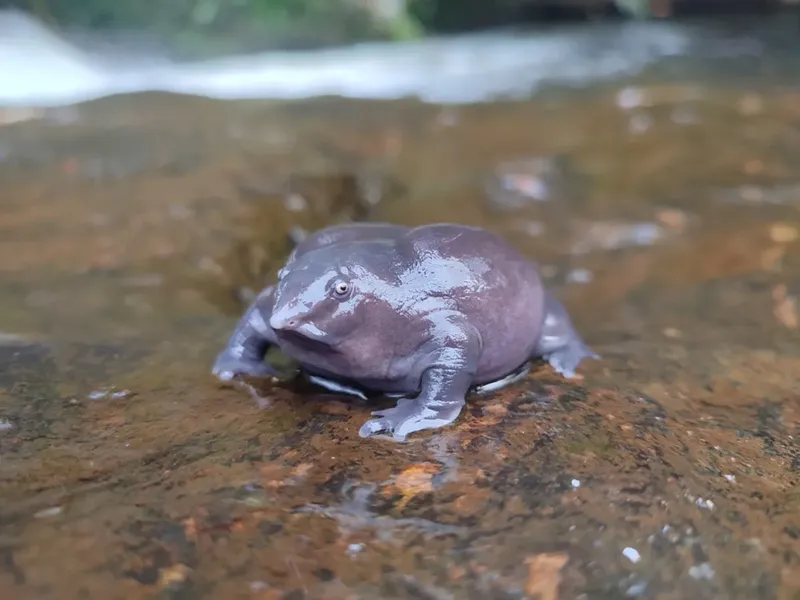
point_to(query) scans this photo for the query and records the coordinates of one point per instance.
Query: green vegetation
(210, 27)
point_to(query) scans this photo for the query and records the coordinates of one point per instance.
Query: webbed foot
(409, 416)
(443, 385)
(228, 365)
(565, 360)
(559, 343)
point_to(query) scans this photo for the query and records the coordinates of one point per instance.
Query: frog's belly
(338, 370)
(378, 371)
(331, 381)
(352, 388)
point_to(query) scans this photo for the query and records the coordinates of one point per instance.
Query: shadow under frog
(425, 314)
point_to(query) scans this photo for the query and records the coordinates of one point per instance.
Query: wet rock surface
(670, 469)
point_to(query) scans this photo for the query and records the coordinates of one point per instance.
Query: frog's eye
(341, 288)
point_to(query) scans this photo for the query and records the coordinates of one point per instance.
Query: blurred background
(59, 51)
(158, 162)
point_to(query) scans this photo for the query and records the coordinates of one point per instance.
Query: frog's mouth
(306, 338)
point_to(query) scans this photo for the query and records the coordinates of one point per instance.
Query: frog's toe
(226, 367)
(406, 403)
(566, 360)
(409, 417)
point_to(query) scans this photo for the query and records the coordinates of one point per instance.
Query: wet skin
(427, 313)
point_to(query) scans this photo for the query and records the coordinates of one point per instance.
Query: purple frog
(425, 314)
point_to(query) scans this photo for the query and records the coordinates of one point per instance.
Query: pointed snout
(297, 321)
(284, 319)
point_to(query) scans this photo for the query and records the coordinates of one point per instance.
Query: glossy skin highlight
(426, 314)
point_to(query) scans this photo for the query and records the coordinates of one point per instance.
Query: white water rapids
(38, 68)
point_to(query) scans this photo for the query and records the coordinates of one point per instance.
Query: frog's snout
(285, 319)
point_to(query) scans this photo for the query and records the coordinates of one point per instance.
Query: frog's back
(490, 260)
(348, 232)
(494, 286)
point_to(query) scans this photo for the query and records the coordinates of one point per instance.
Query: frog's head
(323, 296)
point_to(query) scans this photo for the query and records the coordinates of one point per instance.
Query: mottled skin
(429, 312)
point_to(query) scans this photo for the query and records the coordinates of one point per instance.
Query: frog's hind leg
(498, 384)
(559, 343)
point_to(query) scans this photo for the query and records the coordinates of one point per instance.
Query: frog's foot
(228, 365)
(443, 385)
(559, 343)
(565, 360)
(409, 416)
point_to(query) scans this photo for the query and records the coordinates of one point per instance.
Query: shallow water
(664, 216)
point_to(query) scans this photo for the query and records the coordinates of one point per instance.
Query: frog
(423, 314)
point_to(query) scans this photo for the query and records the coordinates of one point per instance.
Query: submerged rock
(519, 184)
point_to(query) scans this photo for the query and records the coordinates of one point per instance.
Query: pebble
(53, 511)
(672, 218)
(173, 576)
(579, 276)
(702, 571)
(527, 182)
(295, 203)
(354, 549)
(104, 394)
(528, 186)
(637, 589)
(258, 586)
(632, 554)
(782, 233)
(703, 503)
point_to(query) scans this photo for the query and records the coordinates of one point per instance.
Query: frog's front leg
(245, 351)
(456, 348)
(559, 343)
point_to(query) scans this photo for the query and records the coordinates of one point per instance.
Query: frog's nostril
(280, 321)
